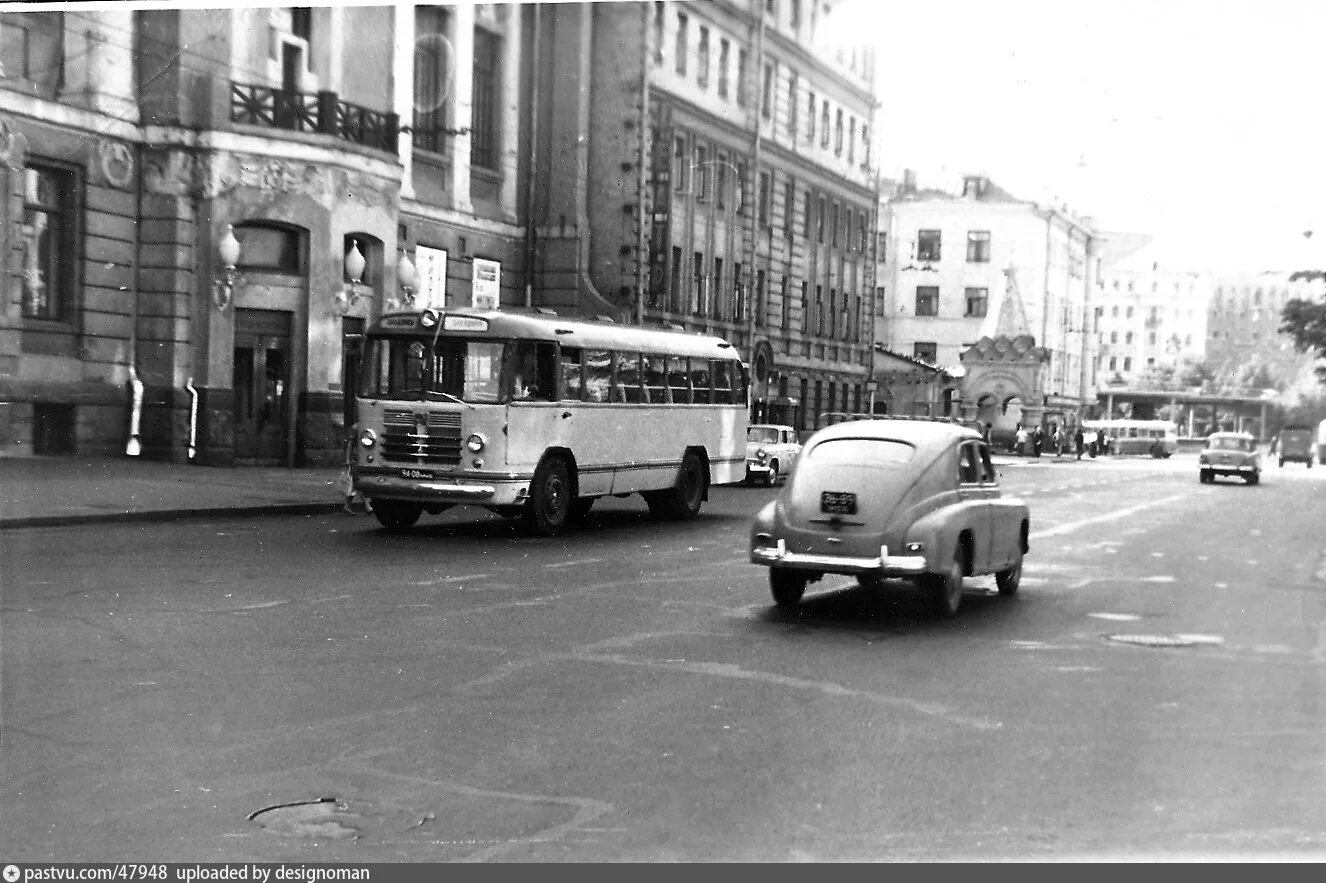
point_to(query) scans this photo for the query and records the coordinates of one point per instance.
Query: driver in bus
(525, 383)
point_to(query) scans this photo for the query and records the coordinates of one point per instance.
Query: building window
(266, 248)
(805, 308)
(483, 127)
(742, 97)
(760, 310)
(809, 215)
(682, 22)
(724, 50)
(1114, 363)
(862, 232)
(978, 300)
(927, 245)
(1152, 338)
(851, 140)
(32, 52)
(819, 309)
(792, 103)
(819, 221)
(882, 247)
(865, 146)
(925, 351)
(738, 308)
(824, 123)
(1127, 363)
(794, 14)
(838, 132)
(701, 173)
(714, 297)
(835, 212)
(763, 197)
(49, 243)
(431, 79)
(697, 286)
(702, 59)
(743, 174)
(720, 183)
(766, 94)
(927, 300)
(679, 166)
(789, 206)
(978, 246)
(1114, 337)
(783, 305)
(675, 300)
(660, 13)
(810, 118)
(1128, 338)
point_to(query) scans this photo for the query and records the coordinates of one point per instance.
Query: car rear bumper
(885, 565)
(1230, 469)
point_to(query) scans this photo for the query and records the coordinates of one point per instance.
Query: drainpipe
(530, 228)
(641, 240)
(193, 418)
(134, 447)
(756, 105)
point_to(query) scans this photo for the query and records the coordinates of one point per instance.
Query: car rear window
(1231, 444)
(861, 451)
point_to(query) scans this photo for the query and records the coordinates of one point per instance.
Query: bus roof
(570, 332)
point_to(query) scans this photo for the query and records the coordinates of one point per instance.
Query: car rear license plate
(838, 502)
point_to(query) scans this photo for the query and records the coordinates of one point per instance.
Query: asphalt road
(628, 693)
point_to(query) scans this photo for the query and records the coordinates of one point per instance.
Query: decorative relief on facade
(170, 172)
(13, 146)
(178, 172)
(117, 163)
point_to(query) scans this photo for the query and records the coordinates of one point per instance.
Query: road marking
(1069, 527)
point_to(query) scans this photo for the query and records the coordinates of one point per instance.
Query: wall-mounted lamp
(228, 251)
(407, 277)
(354, 271)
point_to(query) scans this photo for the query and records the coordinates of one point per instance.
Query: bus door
(534, 419)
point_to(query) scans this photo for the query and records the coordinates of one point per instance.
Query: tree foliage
(1304, 320)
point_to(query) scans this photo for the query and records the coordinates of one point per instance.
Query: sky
(1200, 123)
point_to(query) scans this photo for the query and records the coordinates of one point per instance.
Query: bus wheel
(682, 500)
(395, 515)
(549, 508)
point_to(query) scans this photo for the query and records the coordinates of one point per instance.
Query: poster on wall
(486, 289)
(431, 264)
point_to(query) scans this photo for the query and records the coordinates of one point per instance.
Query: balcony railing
(320, 112)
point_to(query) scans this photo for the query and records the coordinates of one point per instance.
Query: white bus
(537, 416)
(1155, 438)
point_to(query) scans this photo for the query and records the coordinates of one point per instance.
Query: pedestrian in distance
(1023, 439)
(1037, 441)
(1078, 440)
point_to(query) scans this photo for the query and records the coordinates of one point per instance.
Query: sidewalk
(52, 491)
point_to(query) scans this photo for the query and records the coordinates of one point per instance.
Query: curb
(170, 515)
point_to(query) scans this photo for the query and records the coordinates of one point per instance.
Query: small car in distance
(1296, 443)
(1230, 453)
(771, 449)
(892, 498)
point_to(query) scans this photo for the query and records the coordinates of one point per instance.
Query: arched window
(270, 248)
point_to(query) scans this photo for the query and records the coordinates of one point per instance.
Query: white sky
(1199, 122)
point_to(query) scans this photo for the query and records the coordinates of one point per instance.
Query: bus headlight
(476, 443)
(368, 438)
(428, 319)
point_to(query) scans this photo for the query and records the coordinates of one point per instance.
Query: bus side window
(597, 366)
(679, 380)
(701, 382)
(533, 375)
(628, 378)
(722, 374)
(656, 389)
(569, 366)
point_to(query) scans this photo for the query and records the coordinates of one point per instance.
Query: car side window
(968, 472)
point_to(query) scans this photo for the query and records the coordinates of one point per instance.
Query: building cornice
(276, 148)
(56, 113)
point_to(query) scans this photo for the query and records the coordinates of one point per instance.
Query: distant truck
(1297, 443)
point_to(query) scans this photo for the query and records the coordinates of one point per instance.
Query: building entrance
(262, 387)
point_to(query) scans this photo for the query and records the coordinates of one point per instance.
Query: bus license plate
(838, 502)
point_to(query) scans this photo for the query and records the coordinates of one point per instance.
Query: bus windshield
(414, 369)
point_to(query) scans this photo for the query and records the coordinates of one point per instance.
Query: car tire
(772, 478)
(1254, 478)
(548, 510)
(1205, 476)
(787, 586)
(1009, 579)
(944, 590)
(395, 515)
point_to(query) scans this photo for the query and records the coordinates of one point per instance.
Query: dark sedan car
(892, 498)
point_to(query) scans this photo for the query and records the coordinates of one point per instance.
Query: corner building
(204, 208)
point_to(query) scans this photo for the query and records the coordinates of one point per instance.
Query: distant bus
(536, 416)
(1154, 438)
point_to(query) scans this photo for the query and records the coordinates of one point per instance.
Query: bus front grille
(423, 438)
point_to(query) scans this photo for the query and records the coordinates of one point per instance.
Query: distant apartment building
(206, 207)
(1243, 328)
(957, 268)
(1149, 315)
